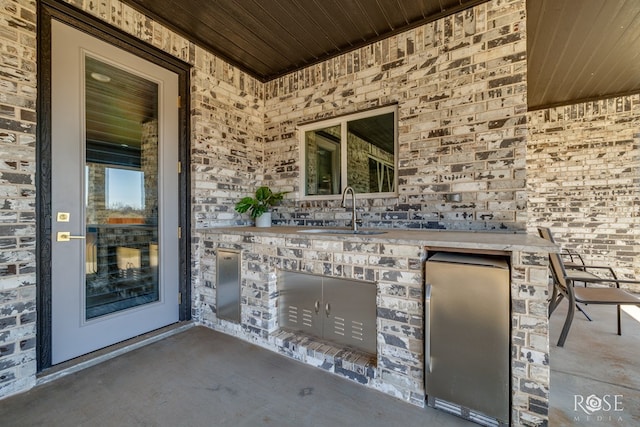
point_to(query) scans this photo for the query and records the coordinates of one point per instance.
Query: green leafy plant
(261, 203)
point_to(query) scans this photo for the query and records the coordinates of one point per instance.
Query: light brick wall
(584, 181)
(460, 86)
(226, 140)
(17, 195)
(530, 369)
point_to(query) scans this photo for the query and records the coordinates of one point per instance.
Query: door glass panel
(121, 200)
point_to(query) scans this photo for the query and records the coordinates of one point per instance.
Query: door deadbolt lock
(65, 236)
(62, 216)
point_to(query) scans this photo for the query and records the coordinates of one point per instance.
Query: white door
(114, 194)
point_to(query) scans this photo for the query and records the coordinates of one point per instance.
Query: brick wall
(585, 179)
(17, 196)
(226, 140)
(460, 86)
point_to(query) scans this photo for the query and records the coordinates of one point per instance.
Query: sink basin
(339, 231)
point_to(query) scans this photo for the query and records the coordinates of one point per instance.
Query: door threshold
(91, 359)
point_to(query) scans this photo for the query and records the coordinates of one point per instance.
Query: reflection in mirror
(121, 189)
(323, 161)
(358, 150)
(370, 154)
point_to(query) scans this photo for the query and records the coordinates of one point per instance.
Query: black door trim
(48, 10)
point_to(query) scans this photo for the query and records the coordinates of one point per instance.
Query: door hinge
(179, 101)
(179, 232)
(179, 167)
(179, 297)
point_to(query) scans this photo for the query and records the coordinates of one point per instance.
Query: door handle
(327, 309)
(427, 329)
(65, 236)
(317, 306)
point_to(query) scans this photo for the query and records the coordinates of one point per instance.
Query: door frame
(48, 10)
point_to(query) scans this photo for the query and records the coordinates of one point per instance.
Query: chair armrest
(607, 267)
(573, 254)
(597, 280)
(596, 267)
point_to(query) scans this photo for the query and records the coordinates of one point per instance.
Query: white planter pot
(264, 220)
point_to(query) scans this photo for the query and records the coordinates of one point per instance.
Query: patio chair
(572, 261)
(563, 287)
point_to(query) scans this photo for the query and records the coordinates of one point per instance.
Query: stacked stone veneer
(460, 86)
(397, 270)
(585, 179)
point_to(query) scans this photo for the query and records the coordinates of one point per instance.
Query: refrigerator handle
(427, 329)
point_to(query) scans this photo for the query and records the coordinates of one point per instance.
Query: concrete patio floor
(200, 377)
(595, 361)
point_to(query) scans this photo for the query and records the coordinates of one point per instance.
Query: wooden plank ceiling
(269, 38)
(578, 49)
(582, 50)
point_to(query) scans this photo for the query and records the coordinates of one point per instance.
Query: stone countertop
(469, 240)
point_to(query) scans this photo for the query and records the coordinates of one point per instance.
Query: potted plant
(260, 205)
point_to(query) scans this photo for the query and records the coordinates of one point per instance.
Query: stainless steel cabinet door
(301, 301)
(349, 311)
(228, 285)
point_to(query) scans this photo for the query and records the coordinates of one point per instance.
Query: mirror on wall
(357, 150)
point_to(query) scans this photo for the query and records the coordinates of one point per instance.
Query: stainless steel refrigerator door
(468, 329)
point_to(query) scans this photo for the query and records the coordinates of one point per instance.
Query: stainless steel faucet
(354, 215)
